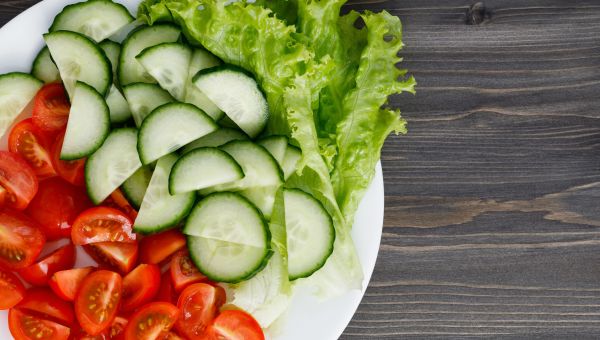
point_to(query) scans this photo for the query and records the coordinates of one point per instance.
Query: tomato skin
(140, 286)
(66, 283)
(51, 107)
(33, 145)
(164, 316)
(166, 292)
(18, 179)
(115, 255)
(199, 304)
(42, 302)
(114, 332)
(184, 271)
(158, 247)
(23, 326)
(39, 273)
(21, 240)
(235, 325)
(71, 171)
(118, 201)
(102, 224)
(56, 206)
(97, 301)
(12, 290)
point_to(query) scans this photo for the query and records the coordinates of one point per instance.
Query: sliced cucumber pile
(290, 161)
(135, 186)
(168, 63)
(89, 123)
(112, 51)
(16, 91)
(43, 67)
(276, 145)
(118, 106)
(201, 60)
(220, 137)
(97, 19)
(170, 127)
(144, 98)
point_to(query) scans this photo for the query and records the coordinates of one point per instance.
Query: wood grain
(492, 225)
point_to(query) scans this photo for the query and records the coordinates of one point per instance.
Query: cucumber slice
(170, 127)
(310, 233)
(144, 98)
(290, 161)
(214, 139)
(203, 168)
(135, 186)
(168, 63)
(112, 51)
(16, 91)
(263, 198)
(237, 94)
(161, 210)
(276, 145)
(118, 106)
(97, 19)
(202, 59)
(89, 123)
(260, 168)
(79, 59)
(130, 70)
(226, 122)
(43, 67)
(229, 240)
(115, 161)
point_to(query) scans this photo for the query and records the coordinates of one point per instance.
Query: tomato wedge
(166, 292)
(116, 255)
(118, 201)
(97, 301)
(24, 326)
(114, 332)
(33, 145)
(66, 283)
(18, 179)
(156, 248)
(151, 321)
(39, 274)
(102, 224)
(42, 302)
(71, 171)
(21, 240)
(199, 304)
(51, 107)
(12, 290)
(235, 325)
(184, 271)
(140, 286)
(169, 336)
(56, 206)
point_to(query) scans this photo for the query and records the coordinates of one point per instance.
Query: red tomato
(235, 325)
(33, 145)
(169, 336)
(51, 107)
(97, 301)
(140, 286)
(18, 179)
(42, 302)
(166, 292)
(39, 274)
(71, 171)
(114, 332)
(29, 327)
(11, 290)
(151, 320)
(65, 283)
(118, 201)
(156, 248)
(21, 240)
(102, 224)
(184, 271)
(199, 304)
(117, 255)
(56, 206)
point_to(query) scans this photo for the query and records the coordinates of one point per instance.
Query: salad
(209, 155)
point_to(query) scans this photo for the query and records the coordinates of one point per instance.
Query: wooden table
(492, 225)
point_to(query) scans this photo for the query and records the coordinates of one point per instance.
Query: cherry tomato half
(184, 271)
(114, 332)
(235, 325)
(151, 320)
(42, 302)
(156, 248)
(21, 240)
(18, 179)
(118, 201)
(12, 290)
(116, 255)
(199, 304)
(24, 326)
(51, 107)
(71, 171)
(166, 292)
(33, 145)
(97, 301)
(40, 272)
(102, 224)
(140, 286)
(66, 283)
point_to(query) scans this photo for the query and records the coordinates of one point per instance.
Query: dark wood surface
(492, 226)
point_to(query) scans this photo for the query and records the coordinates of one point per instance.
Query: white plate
(21, 39)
